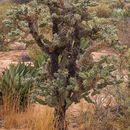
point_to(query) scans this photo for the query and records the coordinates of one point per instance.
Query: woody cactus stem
(60, 121)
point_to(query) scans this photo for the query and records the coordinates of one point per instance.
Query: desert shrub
(103, 10)
(113, 117)
(124, 33)
(127, 7)
(121, 112)
(3, 9)
(119, 13)
(15, 84)
(117, 4)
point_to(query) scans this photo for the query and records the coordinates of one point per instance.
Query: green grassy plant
(16, 83)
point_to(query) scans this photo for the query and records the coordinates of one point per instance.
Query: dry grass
(102, 10)
(124, 32)
(36, 117)
(84, 115)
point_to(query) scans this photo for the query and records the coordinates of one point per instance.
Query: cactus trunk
(60, 122)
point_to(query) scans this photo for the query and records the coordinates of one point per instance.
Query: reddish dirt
(10, 57)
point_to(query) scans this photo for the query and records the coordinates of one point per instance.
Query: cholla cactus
(71, 72)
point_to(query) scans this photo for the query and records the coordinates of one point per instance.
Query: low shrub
(112, 117)
(3, 9)
(16, 84)
(117, 4)
(119, 13)
(103, 10)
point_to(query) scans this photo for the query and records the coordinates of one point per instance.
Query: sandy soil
(10, 57)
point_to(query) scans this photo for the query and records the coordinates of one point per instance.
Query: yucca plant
(15, 83)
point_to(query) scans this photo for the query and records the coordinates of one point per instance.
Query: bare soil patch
(11, 57)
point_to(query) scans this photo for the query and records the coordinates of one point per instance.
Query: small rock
(25, 57)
